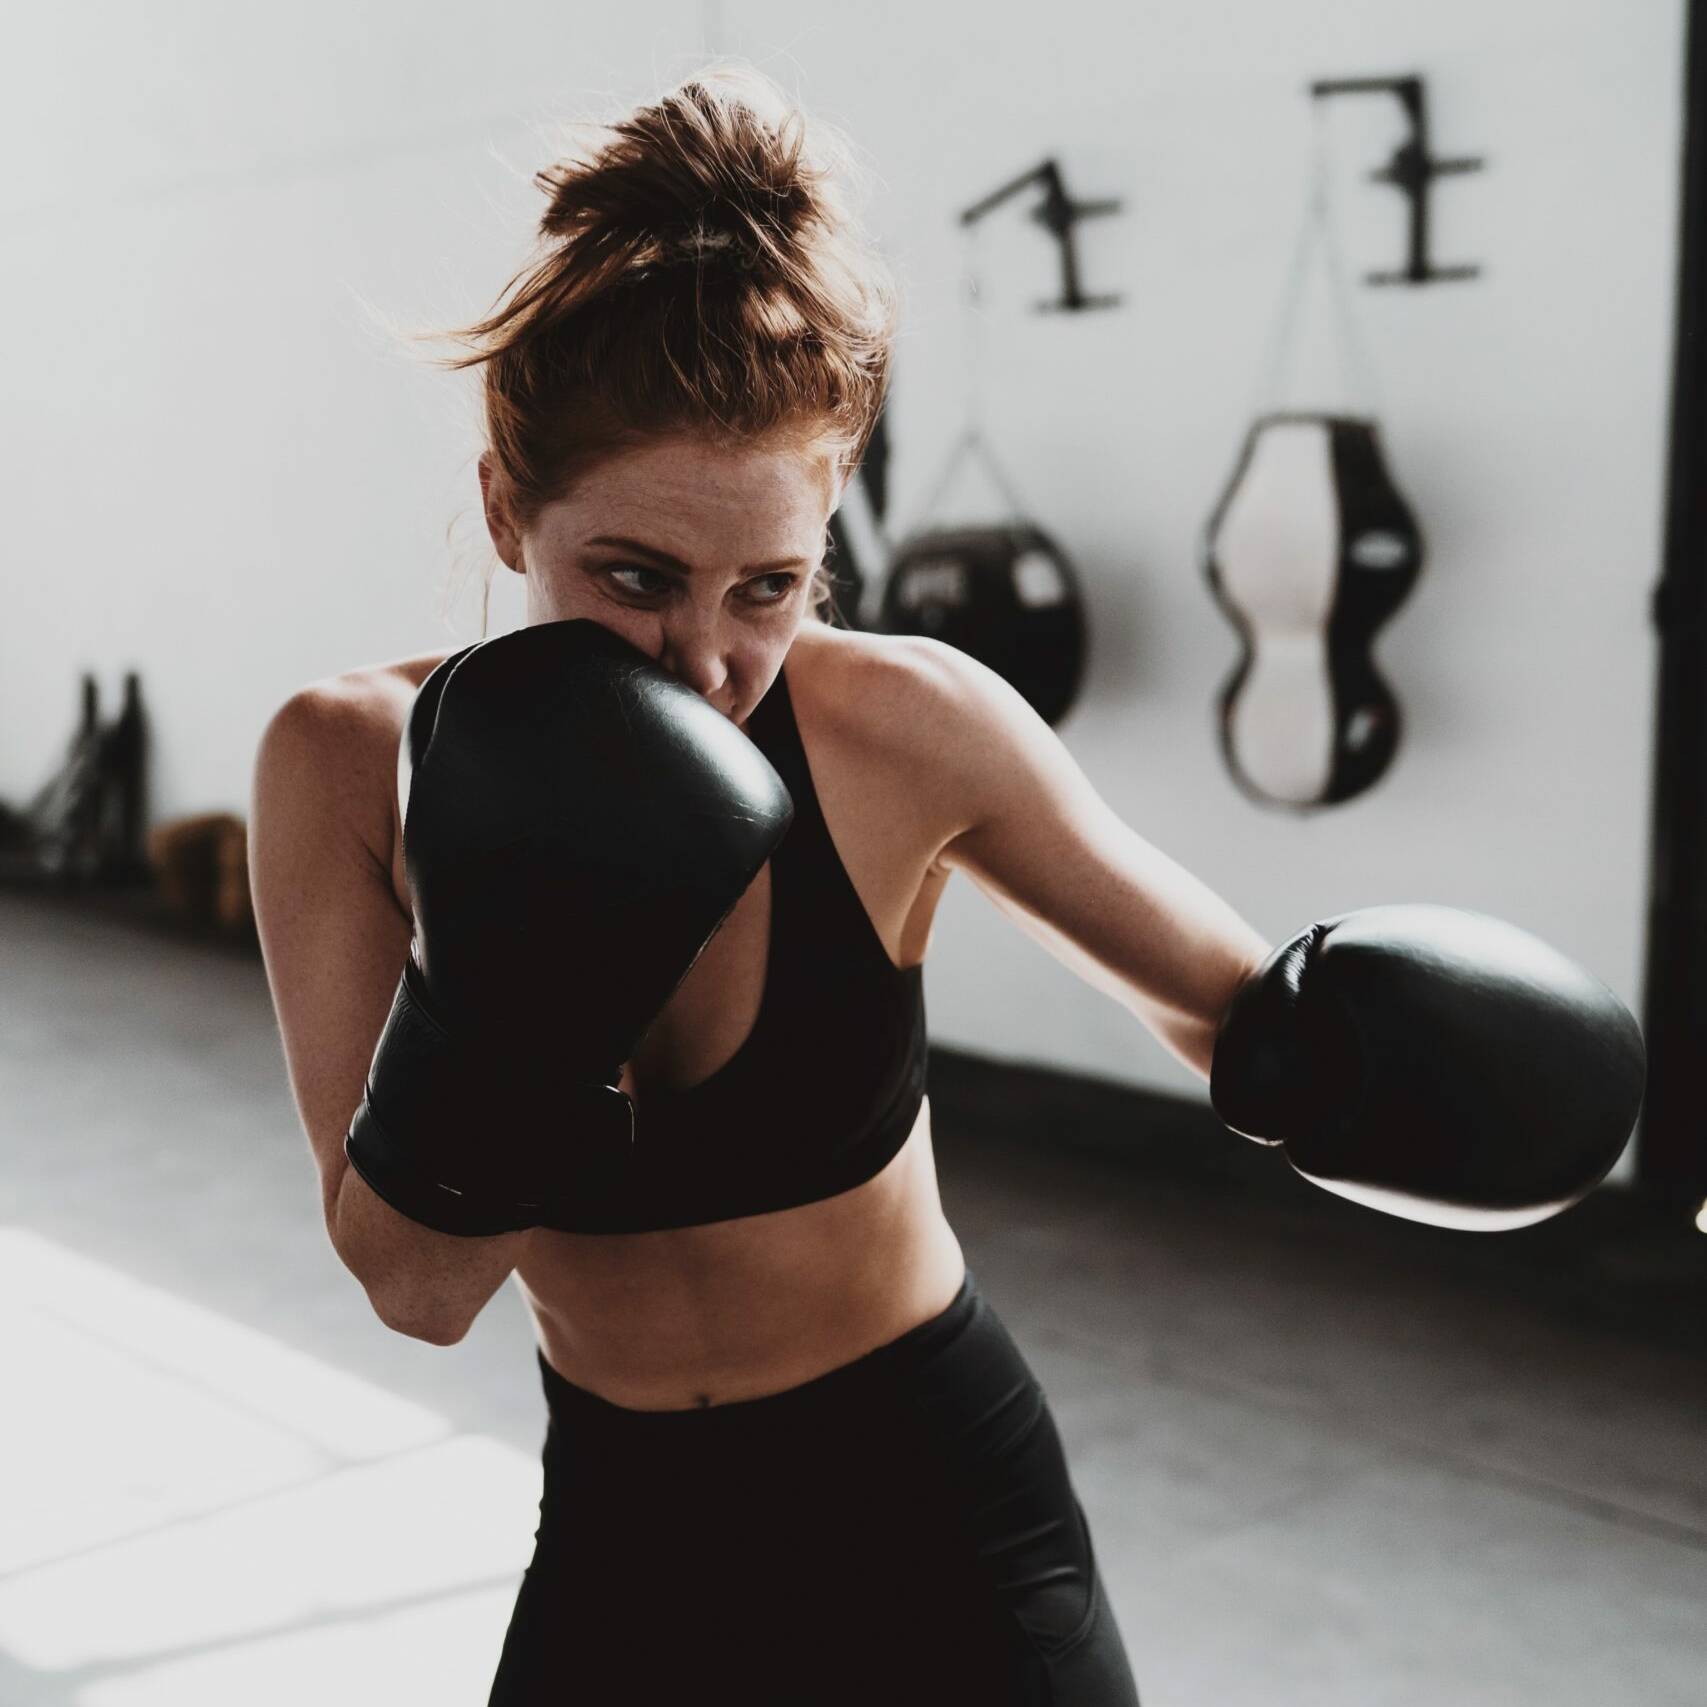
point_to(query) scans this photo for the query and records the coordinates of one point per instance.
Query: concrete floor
(1314, 1477)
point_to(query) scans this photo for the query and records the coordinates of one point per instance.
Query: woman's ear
(506, 541)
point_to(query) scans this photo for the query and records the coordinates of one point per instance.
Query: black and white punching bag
(1004, 593)
(1310, 550)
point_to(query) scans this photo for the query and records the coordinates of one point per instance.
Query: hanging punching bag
(1310, 550)
(1006, 594)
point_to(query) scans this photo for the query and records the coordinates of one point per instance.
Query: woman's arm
(1418, 1060)
(1029, 829)
(334, 940)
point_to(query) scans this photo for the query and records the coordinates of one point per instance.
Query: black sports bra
(825, 1089)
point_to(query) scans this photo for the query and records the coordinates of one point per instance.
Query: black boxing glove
(577, 824)
(1434, 1064)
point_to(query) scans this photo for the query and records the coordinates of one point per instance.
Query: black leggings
(901, 1530)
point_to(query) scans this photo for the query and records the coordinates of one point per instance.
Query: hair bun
(717, 168)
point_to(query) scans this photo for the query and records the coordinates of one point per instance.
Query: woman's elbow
(400, 1301)
(419, 1319)
(435, 1330)
(426, 1285)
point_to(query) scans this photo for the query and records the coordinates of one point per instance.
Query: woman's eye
(643, 591)
(776, 587)
(649, 583)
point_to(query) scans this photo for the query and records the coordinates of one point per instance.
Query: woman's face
(699, 555)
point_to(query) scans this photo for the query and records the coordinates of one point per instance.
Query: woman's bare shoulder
(894, 693)
(915, 709)
(854, 675)
(405, 673)
(372, 699)
(345, 727)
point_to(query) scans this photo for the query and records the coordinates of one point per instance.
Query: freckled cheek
(561, 597)
(641, 629)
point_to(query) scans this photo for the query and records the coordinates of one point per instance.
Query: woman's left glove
(1434, 1064)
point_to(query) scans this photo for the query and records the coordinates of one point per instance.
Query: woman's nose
(696, 660)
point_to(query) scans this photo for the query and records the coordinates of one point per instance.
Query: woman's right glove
(577, 823)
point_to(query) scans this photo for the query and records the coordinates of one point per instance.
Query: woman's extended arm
(1419, 1060)
(1034, 835)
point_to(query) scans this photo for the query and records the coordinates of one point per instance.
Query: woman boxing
(596, 950)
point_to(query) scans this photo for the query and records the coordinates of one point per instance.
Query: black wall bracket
(1058, 213)
(1411, 171)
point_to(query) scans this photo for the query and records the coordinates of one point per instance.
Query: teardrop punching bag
(1309, 552)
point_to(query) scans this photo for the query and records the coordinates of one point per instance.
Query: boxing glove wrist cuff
(455, 1139)
(1281, 1066)
(393, 1173)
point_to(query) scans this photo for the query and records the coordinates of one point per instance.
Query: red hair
(698, 270)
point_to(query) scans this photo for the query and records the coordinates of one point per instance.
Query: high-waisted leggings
(901, 1530)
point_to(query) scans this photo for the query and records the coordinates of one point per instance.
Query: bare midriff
(698, 1316)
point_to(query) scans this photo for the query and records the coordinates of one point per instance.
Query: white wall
(219, 471)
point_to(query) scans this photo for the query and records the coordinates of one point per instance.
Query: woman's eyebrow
(641, 549)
